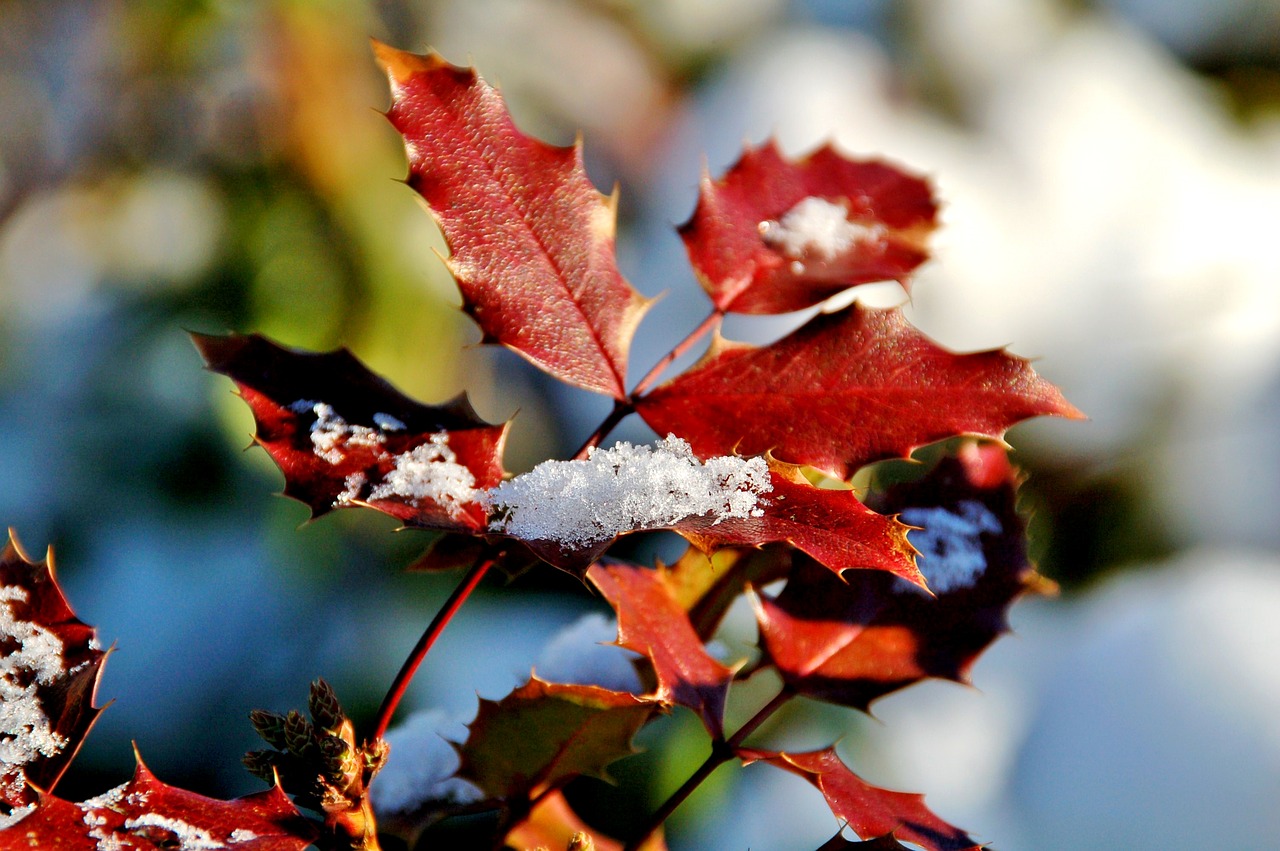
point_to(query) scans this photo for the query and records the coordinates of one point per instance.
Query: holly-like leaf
(652, 622)
(532, 241)
(880, 843)
(148, 815)
(830, 525)
(552, 824)
(705, 586)
(544, 734)
(343, 436)
(775, 235)
(869, 810)
(49, 670)
(846, 389)
(852, 641)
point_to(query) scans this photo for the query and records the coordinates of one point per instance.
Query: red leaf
(51, 665)
(544, 734)
(870, 811)
(343, 436)
(653, 623)
(148, 815)
(830, 525)
(853, 641)
(706, 588)
(531, 238)
(846, 389)
(775, 235)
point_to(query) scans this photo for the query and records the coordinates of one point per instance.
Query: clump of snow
(421, 767)
(429, 471)
(241, 835)
(816, 227)
(189, 837)
(583, 653)
(35, 660)
(626, 488)
(950, 543)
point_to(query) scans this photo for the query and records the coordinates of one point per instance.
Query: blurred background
(1110, 173)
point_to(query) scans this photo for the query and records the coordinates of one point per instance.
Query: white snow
(191, 838)
(950, 544)
(626, 488)
(36, 660)
(430, 471)
(421, 766)
(241, 835)
(16, 815)
(815, 227)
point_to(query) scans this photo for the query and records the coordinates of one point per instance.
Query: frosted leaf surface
(950, 544)
(421, 767)
(815, 227)
(32, 658)
(624, 489)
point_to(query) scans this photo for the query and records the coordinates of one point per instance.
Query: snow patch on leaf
(950, 544)
(188, 837)
(429, 471)
(624, 489)
(816, 227)
(32, 658)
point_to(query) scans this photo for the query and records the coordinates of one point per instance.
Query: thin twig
(420, 650)
(683, 346)
(721, 752)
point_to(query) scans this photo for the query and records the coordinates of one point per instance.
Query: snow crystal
(583, 653)
(35, 660)
(429, 471)
(626, 488)
(950, 544)
(421, 766)
(107, 800)
(386, 422)
(191, 838)
(816, 227)
(16, 815)
(241, 835)
(330, 433)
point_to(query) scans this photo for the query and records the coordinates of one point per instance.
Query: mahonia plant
(759, 444)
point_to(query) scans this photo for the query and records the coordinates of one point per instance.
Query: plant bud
(298, 733)
(326, 711)
(261, 764)
(270, 726)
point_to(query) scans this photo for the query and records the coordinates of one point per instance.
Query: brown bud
(326, 711)
(270, 726)
(299, 735)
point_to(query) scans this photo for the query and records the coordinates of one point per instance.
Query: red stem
(721, 752)
(712, 320)
(623, 407)
(420, 650)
